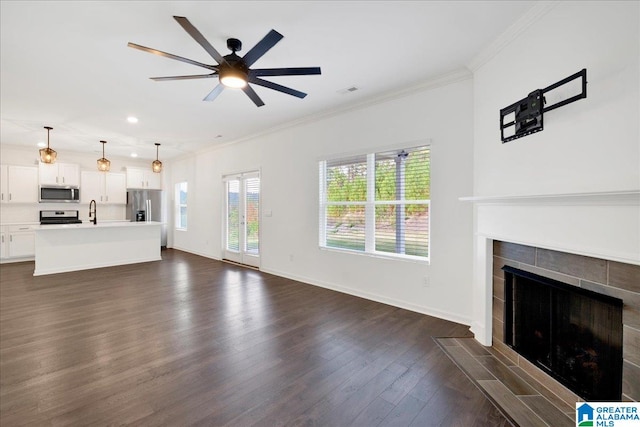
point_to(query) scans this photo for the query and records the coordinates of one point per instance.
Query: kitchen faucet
(92, 212)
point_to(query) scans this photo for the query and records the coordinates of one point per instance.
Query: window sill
(379, 255)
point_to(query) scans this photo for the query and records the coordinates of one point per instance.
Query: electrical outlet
(425, 282)
(290, 257)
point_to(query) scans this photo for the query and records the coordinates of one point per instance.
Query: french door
(242, 242)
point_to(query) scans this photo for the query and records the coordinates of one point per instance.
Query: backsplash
(31, 212)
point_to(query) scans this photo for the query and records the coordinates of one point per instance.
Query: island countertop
(104, 224)
(71, 247)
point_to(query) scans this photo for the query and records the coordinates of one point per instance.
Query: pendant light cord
(48, 128)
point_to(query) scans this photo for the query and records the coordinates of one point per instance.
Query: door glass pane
(233, 215)
(252, 199)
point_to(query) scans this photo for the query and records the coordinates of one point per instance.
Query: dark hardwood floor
(193, 341)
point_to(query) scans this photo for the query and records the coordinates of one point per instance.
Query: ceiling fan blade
(172, 56)
(197, 36)
(195, 76)
(300, 71)
(262, 47)
(277, 87)
(253, 95)
(214, 93)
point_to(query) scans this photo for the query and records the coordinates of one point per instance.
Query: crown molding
(518, 27)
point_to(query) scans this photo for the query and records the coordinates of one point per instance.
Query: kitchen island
(72, 247)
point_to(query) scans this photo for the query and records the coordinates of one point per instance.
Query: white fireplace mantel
(605, 197)
(598, 224)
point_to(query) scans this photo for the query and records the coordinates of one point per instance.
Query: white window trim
(370, 206)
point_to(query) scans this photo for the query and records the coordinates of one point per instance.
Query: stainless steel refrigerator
(148, 205)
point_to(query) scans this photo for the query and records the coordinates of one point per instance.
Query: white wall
(288, 161)
(589, 146)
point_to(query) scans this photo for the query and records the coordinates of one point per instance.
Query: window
(181, 206)
(377, 203)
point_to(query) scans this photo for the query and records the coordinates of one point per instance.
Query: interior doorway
(242, 224)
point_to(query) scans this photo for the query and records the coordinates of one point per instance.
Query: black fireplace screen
(573, 334)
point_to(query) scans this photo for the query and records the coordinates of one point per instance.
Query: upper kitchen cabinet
(115, 188)
(142, 178)
(19, 184)
(103, 187)
(59, 174)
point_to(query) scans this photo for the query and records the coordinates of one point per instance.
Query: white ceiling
(67, 65)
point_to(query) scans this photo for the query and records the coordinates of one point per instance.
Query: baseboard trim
(429, 311)
(239, 264)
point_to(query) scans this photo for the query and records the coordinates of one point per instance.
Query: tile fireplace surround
(590, 240)
(611, 278)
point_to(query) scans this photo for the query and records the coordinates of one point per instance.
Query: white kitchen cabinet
(140, 178)
(103, 187)
(19, 184)
(4, 253)
(91, 186)
(4, 183)
(22, 241)
(59, 174)
(116, 188)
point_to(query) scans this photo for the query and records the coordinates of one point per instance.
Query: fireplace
(573, 334)
(606, 278)
(587, 240)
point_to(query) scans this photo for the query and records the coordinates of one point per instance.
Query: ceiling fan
(232, 70)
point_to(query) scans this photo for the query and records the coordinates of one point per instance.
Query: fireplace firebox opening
(573, 334)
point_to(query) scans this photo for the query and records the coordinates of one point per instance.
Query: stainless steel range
(59, 217)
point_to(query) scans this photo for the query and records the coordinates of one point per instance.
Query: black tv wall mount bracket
(526, 115)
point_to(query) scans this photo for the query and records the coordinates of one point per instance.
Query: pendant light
(103, 164)
(47, 155)
(156, 166)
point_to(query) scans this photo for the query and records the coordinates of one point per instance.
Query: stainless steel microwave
(59, 195)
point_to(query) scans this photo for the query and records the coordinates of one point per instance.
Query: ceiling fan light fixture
(47, 155)
(234, 79)
(103, 164)
(232, 70)
(156, 166)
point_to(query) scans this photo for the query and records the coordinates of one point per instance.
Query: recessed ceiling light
(42, 144)
(134, 155)
(132, 119)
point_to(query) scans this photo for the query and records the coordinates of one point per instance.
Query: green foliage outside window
(347, 182)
